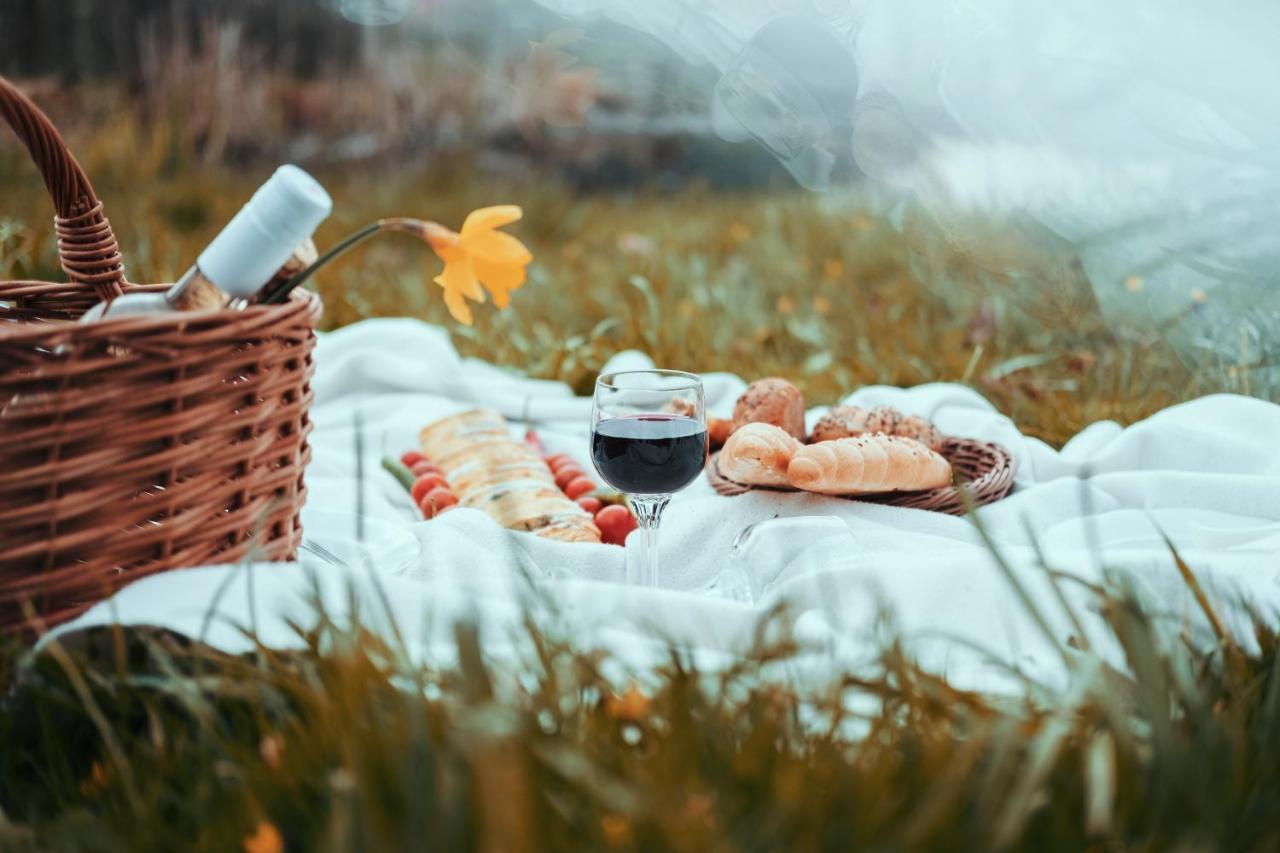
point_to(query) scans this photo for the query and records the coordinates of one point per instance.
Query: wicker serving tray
(983, 472)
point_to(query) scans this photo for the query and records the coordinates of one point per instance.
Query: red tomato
(437, 501)
(410, 458)
(439, 498)
(556, 459)
(579, 487)
(590, 504)
(565, 461)
(423, 467)
(425, 484)
(567, 475)
(615, 522)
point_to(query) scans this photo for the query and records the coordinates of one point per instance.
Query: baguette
(757, 454)
(866, 465)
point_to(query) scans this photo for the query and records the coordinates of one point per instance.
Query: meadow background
(648, 232)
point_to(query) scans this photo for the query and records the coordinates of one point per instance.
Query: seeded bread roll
(758, 455)
(771, 401)
(867, 465)
(850, 421)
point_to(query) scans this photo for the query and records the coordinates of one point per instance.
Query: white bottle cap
(261, 237)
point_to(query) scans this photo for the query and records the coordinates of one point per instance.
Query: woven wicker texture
(983, 474)
(139, 443)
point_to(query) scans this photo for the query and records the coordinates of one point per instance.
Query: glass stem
(648, 510)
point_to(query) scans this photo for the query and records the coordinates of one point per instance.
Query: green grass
(141, 742)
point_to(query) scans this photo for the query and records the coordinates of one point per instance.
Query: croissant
(758, 454)
(866, 465)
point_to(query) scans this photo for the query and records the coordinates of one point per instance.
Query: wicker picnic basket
(141, 443)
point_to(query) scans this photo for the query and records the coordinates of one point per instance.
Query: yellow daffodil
(481, 256)
(477, 258)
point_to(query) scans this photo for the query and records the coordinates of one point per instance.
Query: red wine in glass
(648, 440)
(649, 454)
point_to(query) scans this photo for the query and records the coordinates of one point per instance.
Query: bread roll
(866, 465)
(718, 431)
(771, 401)
(850, 421)
(758, 455)
(840, 422)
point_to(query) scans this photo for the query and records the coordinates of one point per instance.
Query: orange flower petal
(458, 307)
(459, 282)
(489, 218)
(496, 247)
(499, 279)
(459, 275)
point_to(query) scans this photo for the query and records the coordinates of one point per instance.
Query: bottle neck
(195, 292)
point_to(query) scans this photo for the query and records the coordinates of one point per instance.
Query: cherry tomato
(439, 498)
(567, 475)
(410, 458)
(425, 484)
(564, 461)
(556, 459)
(615, 522)
(423, 467)
(579, 487)
(590, 504)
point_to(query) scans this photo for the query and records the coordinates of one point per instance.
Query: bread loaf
(490, 471)
(758, 455)
(850, 421)
(866, 465)
(771, 401)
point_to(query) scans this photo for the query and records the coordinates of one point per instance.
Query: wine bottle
(257, 245)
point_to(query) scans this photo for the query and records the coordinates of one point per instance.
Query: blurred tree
(76, 40)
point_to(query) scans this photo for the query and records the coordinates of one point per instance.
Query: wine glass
(649, 440)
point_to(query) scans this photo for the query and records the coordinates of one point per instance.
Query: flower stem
(281, 292)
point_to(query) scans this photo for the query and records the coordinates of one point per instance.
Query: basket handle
(86, 245)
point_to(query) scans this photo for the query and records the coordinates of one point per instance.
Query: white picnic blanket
(1204, 474)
